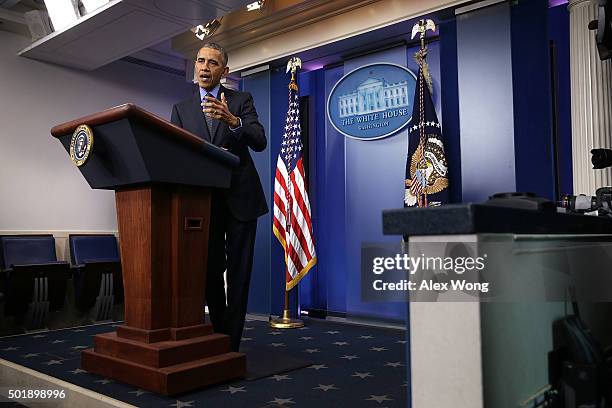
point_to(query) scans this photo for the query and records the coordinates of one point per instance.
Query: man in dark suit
(228, 119)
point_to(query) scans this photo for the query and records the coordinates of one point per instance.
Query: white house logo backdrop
(372, 101)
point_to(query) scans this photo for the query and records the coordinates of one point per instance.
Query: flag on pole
(426, 166)
(292, 218)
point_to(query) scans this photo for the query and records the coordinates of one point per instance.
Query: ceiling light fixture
(203, 31)
(62, 13)
(256, 5)
(91, 5)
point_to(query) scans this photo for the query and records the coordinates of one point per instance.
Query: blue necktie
(209, 120)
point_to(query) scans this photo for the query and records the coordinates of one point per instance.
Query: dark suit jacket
(245, 197)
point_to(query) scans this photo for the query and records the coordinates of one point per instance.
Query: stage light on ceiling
(62, 13)
(203, 31)
(256, 5)
(91, 5)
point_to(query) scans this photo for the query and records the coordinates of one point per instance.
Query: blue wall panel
(259, 294)
(558, 31)
(331, 247)
(485, 102)
(450, 106)
(313, 287)
(532, 102)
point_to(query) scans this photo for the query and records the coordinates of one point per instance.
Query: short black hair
(217, 47)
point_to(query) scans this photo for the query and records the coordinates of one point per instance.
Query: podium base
(166, 367)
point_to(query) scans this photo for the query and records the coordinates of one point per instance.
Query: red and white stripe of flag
(292, 222)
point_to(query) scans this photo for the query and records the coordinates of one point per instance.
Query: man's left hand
(218, 109)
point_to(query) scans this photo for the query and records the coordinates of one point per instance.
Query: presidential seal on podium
(81, 144)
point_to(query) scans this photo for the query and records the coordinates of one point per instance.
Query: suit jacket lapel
(200, 118)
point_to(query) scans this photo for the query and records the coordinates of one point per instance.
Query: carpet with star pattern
(348, 365)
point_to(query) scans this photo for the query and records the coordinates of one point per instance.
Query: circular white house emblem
(372, 101)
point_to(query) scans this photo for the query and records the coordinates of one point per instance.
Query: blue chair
(98, 282)
(34, 282)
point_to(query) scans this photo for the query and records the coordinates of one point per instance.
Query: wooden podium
(162, 176)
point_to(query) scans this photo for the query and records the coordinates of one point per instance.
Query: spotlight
(91, 5)
(62, 13)
(256, 5)
(603, 25)
(203, 31)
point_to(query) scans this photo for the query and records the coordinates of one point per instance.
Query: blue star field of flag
(353, 366)
(291, 145)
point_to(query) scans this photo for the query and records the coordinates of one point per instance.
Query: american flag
(292, 222)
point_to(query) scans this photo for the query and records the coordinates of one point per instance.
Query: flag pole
(286, 322)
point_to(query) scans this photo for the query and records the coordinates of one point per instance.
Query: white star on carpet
(306, 338)
(249, 328)
(278, 377)
(246, 339)
(379, 398)
(340, 343)
(58, 341)
(53, 362)
(311, 351)
(277, 344)
(402, 341)
(30, 355)
(332, 332)
(11, 348)
(104, 381)
(366, 337)
(394, 364)
(78, 371)
(181, 404)
(325, 387)
(79, 347)
(318, 366)
(378, 348)
(351, 357)
(39, 336)
(233, 390)
(362, 375)
(275, 333)
(138, 392)
(281, 401)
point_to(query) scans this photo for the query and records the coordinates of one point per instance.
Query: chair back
(26, 249)
(84, 248)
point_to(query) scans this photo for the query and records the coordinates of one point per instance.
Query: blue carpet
(353, 366)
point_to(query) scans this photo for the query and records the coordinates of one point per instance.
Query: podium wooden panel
(162, 177)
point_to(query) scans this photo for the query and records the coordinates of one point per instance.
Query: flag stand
(292, 225)
(286, 322)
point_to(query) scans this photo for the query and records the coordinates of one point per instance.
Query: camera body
(600, 202)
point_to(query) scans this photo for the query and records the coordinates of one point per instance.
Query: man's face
(209, 68)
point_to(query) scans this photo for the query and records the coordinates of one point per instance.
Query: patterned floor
(354, 366)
